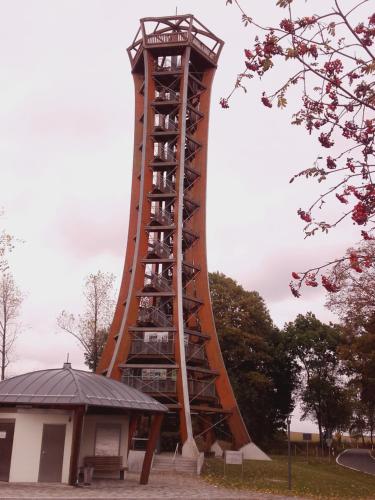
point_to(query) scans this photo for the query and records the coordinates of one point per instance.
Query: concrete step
(178, 464)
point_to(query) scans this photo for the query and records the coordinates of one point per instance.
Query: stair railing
(175, 453)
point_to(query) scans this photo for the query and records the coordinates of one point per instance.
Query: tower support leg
(151, 444)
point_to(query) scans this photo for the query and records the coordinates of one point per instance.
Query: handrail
(170, 125)
(203, 47)
(159, 248)
(154, 39)
(157, 281)
(166, 94)
(163, 184)
(152, 314)
(166, 38)
(162, 216)
(175, 453)
(164, 154)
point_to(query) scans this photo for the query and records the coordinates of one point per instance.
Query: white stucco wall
(27, 442)
(89, 429)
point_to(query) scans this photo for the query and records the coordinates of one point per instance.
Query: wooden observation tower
(163, 339)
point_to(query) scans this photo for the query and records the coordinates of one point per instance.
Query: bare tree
(6, 245)
(91, 328)
(10, 302)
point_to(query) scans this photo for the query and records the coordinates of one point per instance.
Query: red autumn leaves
(333, 63)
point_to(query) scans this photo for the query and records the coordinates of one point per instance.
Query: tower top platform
(174, 32)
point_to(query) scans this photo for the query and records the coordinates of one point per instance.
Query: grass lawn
(316, 479)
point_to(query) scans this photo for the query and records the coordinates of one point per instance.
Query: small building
(50, 420)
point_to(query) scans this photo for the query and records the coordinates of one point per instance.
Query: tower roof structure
(174, 33)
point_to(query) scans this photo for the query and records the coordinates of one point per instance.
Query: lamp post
(288, 420)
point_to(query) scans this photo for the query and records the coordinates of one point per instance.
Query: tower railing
(152, 315)
(152, 347)
(197, 388)
(161, 216)
(164, 124)
(163, 347)
(157, 385)
(195, 351)
(178, 38)
(203, 47)
(164, 153)
(163, 184)
(166, 95)
(159, 248)
(201, 388)
(158, 282)
(166, 38)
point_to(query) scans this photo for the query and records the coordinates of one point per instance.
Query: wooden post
(79, 413)
(133, 423)
(151, 444)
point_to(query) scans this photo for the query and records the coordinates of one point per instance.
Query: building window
(107, 439)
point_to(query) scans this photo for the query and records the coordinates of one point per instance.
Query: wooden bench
(105, 464)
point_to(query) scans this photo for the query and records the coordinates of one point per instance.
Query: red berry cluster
(329, 286)
(325, 140)
(331, 163)
(287, 25)
(367, 32)
(304, 215)
(366, 236)
(265, 100)
(224, 103)
(359, 214)
(310, 280)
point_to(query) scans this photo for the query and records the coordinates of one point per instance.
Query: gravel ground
(161, 486)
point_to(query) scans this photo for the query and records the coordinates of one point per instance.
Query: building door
(52, 453)
(6, 445)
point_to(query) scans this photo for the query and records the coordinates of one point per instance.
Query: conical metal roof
(65, 386)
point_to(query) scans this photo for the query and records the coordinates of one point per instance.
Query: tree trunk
(3, 355)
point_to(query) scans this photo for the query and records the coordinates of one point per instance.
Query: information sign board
(233, 457)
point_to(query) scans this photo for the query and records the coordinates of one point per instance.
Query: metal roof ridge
(76, 381)
(33, 381)
(57, 384)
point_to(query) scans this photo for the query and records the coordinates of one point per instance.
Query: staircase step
(164, 463)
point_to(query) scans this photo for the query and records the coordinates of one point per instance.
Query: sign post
(233, 458)
(288, 421)
(306, 436)
(329, 444)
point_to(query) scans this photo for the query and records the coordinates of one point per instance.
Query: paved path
(357, 459)
(161, 486)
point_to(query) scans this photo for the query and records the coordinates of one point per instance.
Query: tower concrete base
(217, 449)
(190, 449)
(252, 452)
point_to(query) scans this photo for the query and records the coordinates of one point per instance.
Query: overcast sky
(66, 133)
